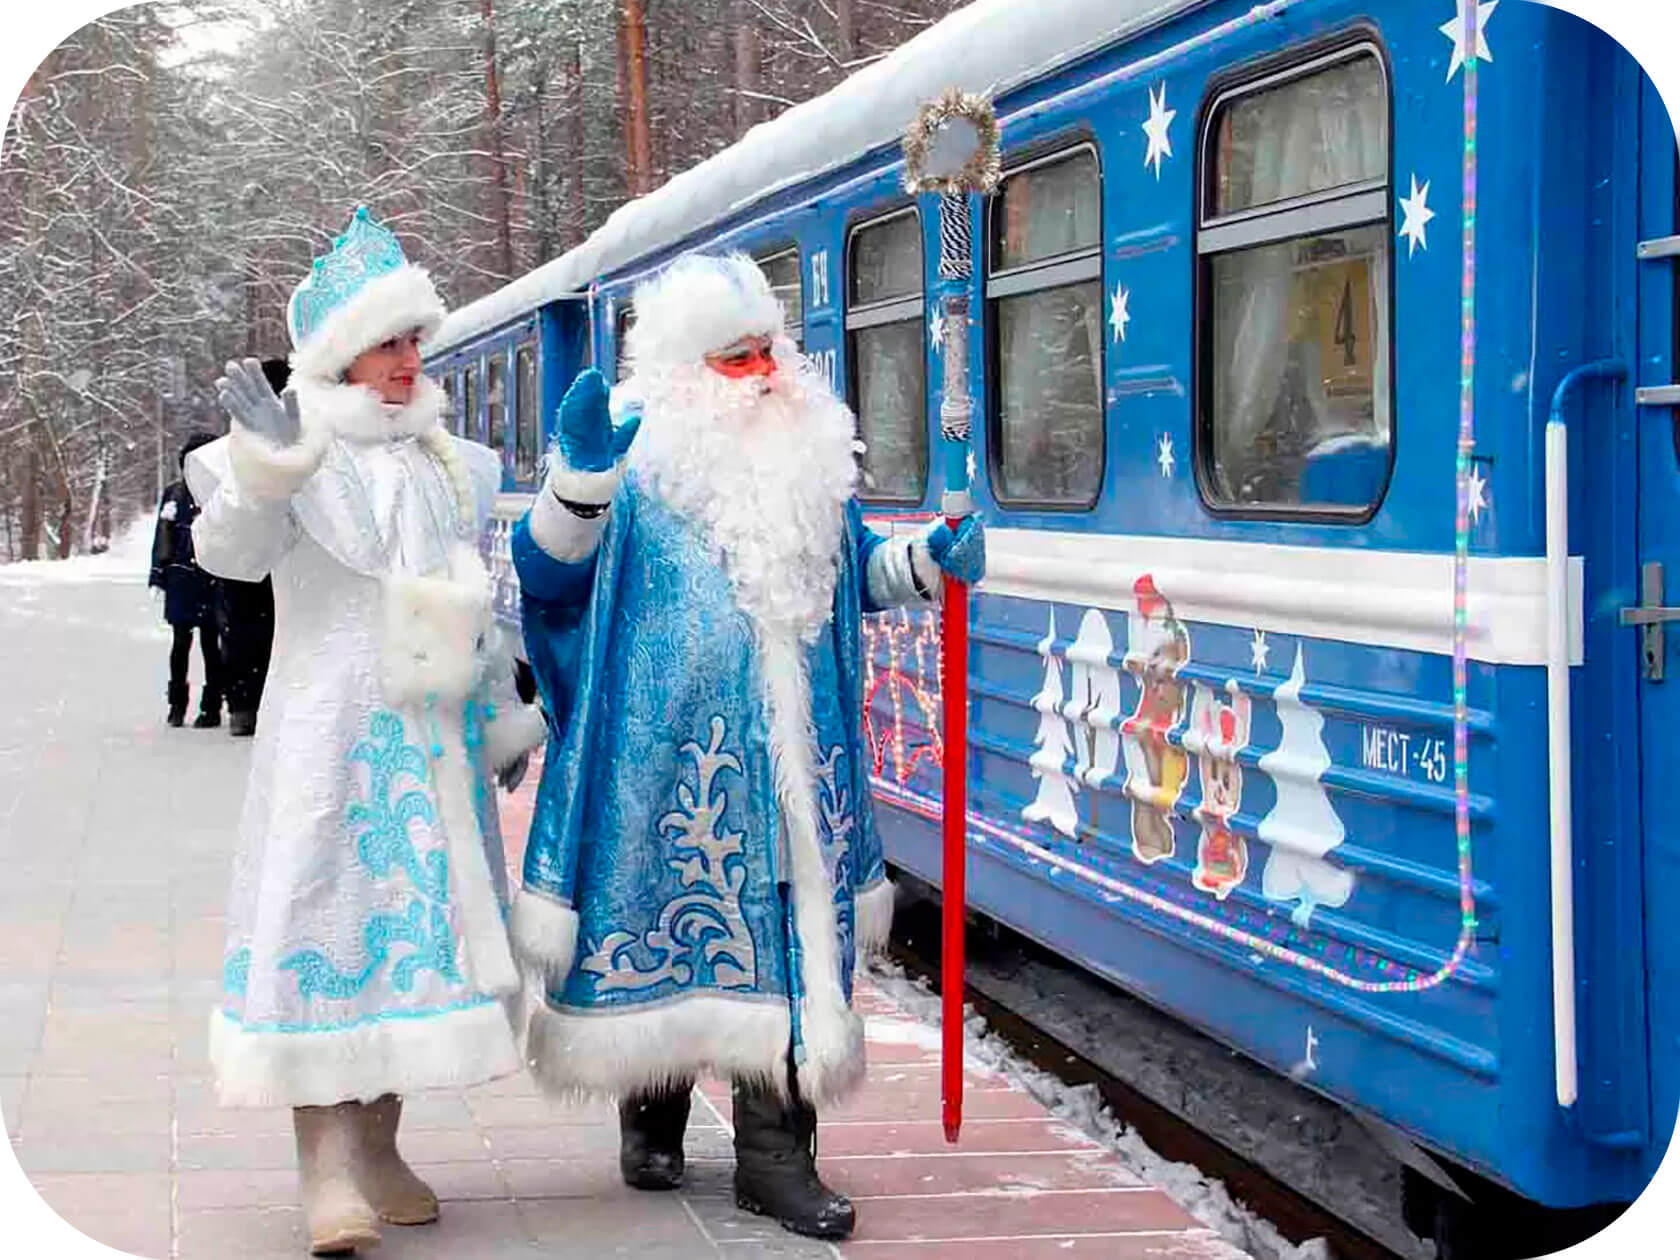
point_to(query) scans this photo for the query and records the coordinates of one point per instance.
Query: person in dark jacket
(189, 599)
(247, 621)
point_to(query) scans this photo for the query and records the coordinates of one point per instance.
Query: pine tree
(1053, 743)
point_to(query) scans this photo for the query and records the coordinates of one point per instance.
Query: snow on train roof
(990, 46)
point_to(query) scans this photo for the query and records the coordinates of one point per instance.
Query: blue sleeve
(543, 578)
(867, 541)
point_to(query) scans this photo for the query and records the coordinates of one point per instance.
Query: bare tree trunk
(634, 31)
(30, 525)
(578, 223)
(493, 110)
(844, 16)
(747, 69)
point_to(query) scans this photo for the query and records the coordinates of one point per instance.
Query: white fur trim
(399, 301)
(432, 630)
(544, 934)
(355, 412)
(699, 304)
(390, 1056)
(573, 1054)
(562, 533)
(873, 916)
(831, 1033)
(513, 731)
(270, 473)
(472, 890)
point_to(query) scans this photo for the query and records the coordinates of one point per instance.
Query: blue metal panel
(1365, 733)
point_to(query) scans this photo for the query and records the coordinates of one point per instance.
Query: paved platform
(115, 838)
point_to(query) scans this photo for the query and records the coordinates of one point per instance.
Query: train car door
(1657, 379)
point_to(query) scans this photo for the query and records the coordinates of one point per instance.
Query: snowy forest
(169, 171)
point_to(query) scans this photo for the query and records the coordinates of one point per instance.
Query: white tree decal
(1303, 825)
(1052, 744)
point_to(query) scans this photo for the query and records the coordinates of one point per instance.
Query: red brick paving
(1019, 1184)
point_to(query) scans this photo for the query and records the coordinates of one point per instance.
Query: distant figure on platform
(189, 598)
(247, 620)
(702, 870)
(367, 955)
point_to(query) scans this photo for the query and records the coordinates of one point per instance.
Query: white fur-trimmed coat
(367, 951)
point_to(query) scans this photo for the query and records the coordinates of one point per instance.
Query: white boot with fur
(329, 1144)
(385, 1178)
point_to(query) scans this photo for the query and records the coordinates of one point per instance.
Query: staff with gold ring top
(952, 149)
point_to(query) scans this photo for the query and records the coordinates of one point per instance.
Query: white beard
(764, 475)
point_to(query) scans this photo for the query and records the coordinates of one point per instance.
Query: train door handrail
(1558, 723)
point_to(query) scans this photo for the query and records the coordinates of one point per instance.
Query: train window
(783, 271)
(498, 401)
(622, 321)
(886, 336)
(527, 413)
(1293, 246)
(1045, 297)
(469, 396)
(451, 421)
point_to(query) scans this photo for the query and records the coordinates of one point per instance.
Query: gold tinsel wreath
(980, 173)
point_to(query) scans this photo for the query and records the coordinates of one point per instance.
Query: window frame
(782, 250)
(856, 318)
(1054, 272)
(471, 397)
(532, 344)
(497, 360)
(1306, 215)
(623, 317)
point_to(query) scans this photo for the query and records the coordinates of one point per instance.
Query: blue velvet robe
(658, 818)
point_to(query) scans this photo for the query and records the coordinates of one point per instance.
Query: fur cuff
(559, 531)
(895, 569)
(268, 472)
(544, 934)
(874, 915)
(512, 732)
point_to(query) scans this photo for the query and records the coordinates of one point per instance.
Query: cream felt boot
(339, 1218)
(384, 1177)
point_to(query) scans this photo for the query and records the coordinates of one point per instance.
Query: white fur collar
(356, 414)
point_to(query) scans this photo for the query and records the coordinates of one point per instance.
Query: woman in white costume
(367, 954)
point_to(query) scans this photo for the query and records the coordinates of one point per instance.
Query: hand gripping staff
(952, 149)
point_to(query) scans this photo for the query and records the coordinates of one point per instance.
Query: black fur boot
(650, 1137)
(776, 1165)
(177, 703)
(209, 710)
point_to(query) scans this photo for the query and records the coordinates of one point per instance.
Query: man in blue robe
(703, 869)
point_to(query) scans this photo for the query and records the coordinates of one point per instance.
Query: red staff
(952, 149)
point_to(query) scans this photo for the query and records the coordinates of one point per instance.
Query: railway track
(1190, 1099)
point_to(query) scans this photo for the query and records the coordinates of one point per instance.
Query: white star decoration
(1260, 651)
(1454, 30)
(1417, 212)
(1119, 315)
(936, 329)
(1164, 455)
(1477, 495)
(973, 466)
(1155, 128)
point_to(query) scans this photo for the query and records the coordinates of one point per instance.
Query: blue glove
(961, 554)
(588, 442)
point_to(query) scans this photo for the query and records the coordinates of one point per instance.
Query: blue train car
(1220, 355)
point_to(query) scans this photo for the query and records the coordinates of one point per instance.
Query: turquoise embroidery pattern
(700, 935)
(383, 845)
(236, 971)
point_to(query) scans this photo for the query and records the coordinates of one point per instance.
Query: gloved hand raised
(586, 437)
(245, 395)
(961, 553)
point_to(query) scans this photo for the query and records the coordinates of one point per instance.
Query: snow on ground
(1203, 1197)
(129, 559)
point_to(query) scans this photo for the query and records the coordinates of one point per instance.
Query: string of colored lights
(984, 830)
